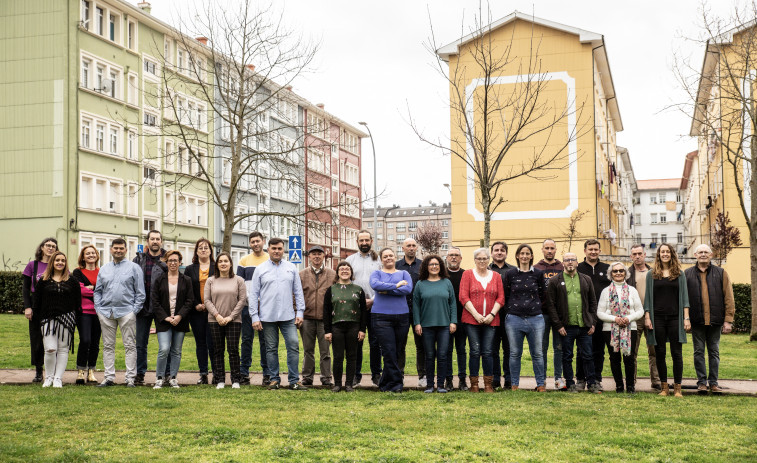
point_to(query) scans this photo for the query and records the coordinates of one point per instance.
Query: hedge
(742, 322)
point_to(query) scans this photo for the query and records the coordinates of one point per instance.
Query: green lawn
(738, 357)
(202, 424)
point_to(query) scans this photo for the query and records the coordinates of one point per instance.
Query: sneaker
(273, 385)
(349, 389)
(203, 379)
(581, 384)
(130, 384)
(48, 382)
(158, 383)
(57, 383)
(298, 387)
(245, 380)
(462, 385)
(429, 390)
(327, 383)
(307, 382)
(233, 385)
(174, 383)
(702, 389)
(422, 382)
(355, 383)
(448, 385)
(630, 390)
(266, 380)
(38, 376)
(442, 390)
(594, 388)
(496, 385)
(572, 388)
(599, 386)
(220, 385)
(657, 386)
(560, 384)
(508, 385)
(336, 388)
(139, 380)
(375, 379)
(106, 383)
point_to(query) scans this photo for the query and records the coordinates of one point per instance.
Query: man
(152, 265)
(364, 263)
(572, 309)
(246, 269)
(551, 267)
(277, 304)
(600, 278)
(454, 257)
(316, 279)
(498, 265)
(119, 294)
(711, 311)
(637, 277)
(413, 266)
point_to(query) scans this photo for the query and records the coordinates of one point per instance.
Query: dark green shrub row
(11, 298)
(742, 294)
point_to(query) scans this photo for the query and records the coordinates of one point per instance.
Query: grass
(252, 424)
(738, 356)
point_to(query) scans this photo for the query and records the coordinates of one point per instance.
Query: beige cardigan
(225, 296)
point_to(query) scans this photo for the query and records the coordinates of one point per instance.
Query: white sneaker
(174, 383)
(422, 382)
(560, 384)
(235, 386)
(57, 383)
(48, 382)
(221, 385)
(158, 383)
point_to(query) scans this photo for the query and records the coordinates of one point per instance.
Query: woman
(345, 316)
(57, 301)
(391, 317)
(31, 275)
(619, 307)
(171, 298)
(435, 317)
(88, 323)
(202, 267)
(524, 291)
(225, 295)
(482, 297)
(666, 307)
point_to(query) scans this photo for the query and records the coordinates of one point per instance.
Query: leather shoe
(715, 389)
(38, 376)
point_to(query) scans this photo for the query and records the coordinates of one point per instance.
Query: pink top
(87, 295)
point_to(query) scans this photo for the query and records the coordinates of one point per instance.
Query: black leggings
(344, 341)
(89, 341)
(628, 362)
(666, 330)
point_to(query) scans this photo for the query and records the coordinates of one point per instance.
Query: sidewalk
(186, 378)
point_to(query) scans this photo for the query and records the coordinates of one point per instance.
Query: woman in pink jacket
(88, 323)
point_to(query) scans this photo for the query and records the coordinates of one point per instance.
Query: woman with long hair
(345, 316)
(171, 298)
(666, 307)
(225, 297)
(390, 316)
(57, 301)
(435, 317)
(88, 323)
(482, 297)
(31, 275)
(202, 267)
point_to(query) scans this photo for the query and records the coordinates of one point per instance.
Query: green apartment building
(84, 151)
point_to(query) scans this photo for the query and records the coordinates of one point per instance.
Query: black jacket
(193, 272)
(631, 280)
(557, 301)
(161, 308)
(599, 274)
(157, 269)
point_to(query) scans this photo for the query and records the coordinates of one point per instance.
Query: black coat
(193, 272)
(161, 308)
(557, 301)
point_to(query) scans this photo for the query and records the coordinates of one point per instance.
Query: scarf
(620, 338)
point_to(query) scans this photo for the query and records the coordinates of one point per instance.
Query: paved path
(186, 378)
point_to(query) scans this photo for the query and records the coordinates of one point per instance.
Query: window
(100, 193)
(149, 224)
(348, 238)
(445, 223)
(638, 237)
(390, 225)
(167, 51)
(100, 137)
(133, 88)
(112, 28)
(400, 226)
(350, 174)
(180, 59)
(652, 199)
(151, 67)
(663, 217)
(85, 63)
(114, 84)
(653, 218)
(131, 200)
(400, 237)
(150, 119)
(445, 235)
(113, 140)
(379, 236)
(679, 198)
(85, 14)
(99, 20)
(349, 141)
(100, 80)
(679, 238)
(149, 173)
(85, 131)
(131, 148)
(662, 196)
(317, 160)
(131, 35)
(369, 225)
(390, 237)
(411, 226)
(191, 210)
(103, 128)
(663, 238)
(107, 76)
(318, 196)
(169, 155)
(654, 238)
(637, 219)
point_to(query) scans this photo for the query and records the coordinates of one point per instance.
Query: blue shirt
(120, 289)
(275, 292)
(389, 299)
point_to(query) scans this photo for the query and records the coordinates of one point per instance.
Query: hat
(316, 249)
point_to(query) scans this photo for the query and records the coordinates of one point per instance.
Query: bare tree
(725, 237)
(571, 232)
(500, 123)
(723, 107)
(429, 237)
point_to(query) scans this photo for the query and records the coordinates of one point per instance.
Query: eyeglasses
(433, 264)
(619, 271)
(173, 261)
(570, 260)
(482, 259)
(51, 245)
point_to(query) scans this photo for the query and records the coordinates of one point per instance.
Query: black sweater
(56, 305)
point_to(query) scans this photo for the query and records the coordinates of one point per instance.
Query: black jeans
(457, 341)
(598, 355)
(203, 341)
(344, 343)
(666, 330)
(500, 339)
(89, 341)
(583, 341)
(391, 331)
(374, 352)
(420, 355)
(35, 340)
(628, 361)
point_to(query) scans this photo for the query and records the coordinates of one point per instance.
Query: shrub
(11, 297)
(742, 321)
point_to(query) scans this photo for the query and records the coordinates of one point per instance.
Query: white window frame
(102, 69)
(108, 126)
(108, 202)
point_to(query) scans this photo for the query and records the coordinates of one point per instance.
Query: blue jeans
(391, 333)
(500, 339)
(374, 352)
(436, 345)
(708, 335)
(556, 348)
(582, 338)
(531, 328)
(481, 338)
(169, 343)
(457, 341)
(271, 335)
(248, 336)
(142, 338)
(203, 341)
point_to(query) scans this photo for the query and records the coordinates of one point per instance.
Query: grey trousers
(128, 324)
(706, 336)
(310, 331)
(654, 378)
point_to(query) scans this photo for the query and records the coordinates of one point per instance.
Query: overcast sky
(373, 66)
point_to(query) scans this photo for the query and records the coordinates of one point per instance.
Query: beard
(364, 248)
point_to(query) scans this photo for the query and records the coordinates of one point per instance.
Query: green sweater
(683, 301)
(434, 303)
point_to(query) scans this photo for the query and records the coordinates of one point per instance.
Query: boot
(677, 390)
(474, 384)
(91, 376)
(38, 376)
(665, 389)
(488, 384)
(80, 377)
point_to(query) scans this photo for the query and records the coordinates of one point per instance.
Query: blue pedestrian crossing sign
(295, 256)
(295, 242)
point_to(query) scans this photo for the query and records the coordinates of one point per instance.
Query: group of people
(591, 306)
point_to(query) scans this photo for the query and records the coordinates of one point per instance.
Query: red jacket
(471, 290)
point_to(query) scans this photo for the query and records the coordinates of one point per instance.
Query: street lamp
(375, 208)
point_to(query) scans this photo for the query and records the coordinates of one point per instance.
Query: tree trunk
(753, 259)
(486, 206)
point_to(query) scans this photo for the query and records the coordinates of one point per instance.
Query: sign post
(295, 249)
